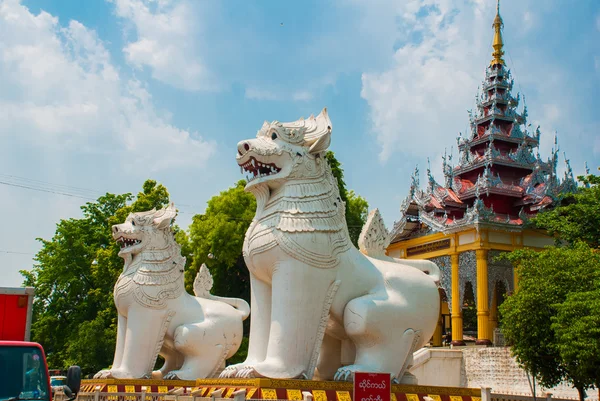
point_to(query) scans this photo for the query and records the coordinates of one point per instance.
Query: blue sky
(100, 95)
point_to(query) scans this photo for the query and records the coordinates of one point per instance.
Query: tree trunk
(581, 392)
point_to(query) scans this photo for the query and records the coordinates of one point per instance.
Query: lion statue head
(284, 151)
(145, 231)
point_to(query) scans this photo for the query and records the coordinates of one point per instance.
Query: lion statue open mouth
(195, 335)
(321, 307)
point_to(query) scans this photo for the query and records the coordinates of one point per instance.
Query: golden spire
(498, 44)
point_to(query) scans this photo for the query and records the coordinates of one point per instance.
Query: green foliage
(536, 318)
(577, 218)
(577, 329)
(74, 312)
(74, 275)
(220, 232)
(357, 208)
(338, 173)
(553, 320)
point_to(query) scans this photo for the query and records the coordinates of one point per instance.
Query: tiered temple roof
(499, 180)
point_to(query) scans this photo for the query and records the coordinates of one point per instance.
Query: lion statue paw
(248, 373)
(344, 374)
(103, 374)
(231, 371)
(172, 375)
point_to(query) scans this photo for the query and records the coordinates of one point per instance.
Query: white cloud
(260, 94)
(528, 20)
(268, 94)
(165, 42)
(414, 103)
(59, 88)
(418, 104)
(302, 96)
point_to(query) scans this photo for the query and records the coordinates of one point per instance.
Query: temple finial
(498, 44)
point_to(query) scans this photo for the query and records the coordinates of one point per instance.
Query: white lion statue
(195, 335)
(322, 308)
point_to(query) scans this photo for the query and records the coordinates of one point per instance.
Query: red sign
(372, 386)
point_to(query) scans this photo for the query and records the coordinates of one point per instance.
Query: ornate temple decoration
(499, 181)
(499, 271)
(445, 266)
(467, 273)
(488, 194)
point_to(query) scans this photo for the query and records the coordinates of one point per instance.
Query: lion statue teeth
(195, 335)
(321, 308)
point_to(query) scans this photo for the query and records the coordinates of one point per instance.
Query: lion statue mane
(320, 307)
(195, 335)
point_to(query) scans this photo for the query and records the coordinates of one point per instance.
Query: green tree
(74, 275)
(550, 322)
(577, 218)
(216, 239)
(357, 207)
(577, 329)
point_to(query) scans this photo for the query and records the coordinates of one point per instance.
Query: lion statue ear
(318, 134)
(165, 216)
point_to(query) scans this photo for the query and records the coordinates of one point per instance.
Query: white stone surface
(477, 367)
(318, 303)
(439, 367)
(195, 335)
(495, 367)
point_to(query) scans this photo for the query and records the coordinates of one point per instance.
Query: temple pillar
(457, 320)
(515, 279)
(493, 322)
(483, 313)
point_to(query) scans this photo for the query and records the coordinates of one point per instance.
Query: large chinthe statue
(320, 307)
(195, 335)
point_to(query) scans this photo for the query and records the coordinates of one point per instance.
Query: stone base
(458, 343)
(135, 385)
(483, 342)
(280, 389)
(274, 389)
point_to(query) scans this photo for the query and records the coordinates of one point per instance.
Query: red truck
(23, 367)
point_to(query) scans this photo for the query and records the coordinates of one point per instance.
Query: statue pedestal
(279, 389)
(134, 385)
(276, 389)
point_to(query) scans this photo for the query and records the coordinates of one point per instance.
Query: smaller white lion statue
(195, 335)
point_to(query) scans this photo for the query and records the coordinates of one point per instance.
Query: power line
(17, 253)
(44, 190)
(56, 186)
(62, 192)
(79, 196)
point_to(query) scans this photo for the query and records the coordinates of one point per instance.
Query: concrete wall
(476, 367)
(439, 367)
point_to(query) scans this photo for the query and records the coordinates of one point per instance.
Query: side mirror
(74, 378)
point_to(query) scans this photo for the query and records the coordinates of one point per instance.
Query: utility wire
(60, 187)
(44, 190)
(32, 181)
(17, 253)
(62, 192)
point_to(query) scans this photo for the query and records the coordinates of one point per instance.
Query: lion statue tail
(375, 238)
(203, 284)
